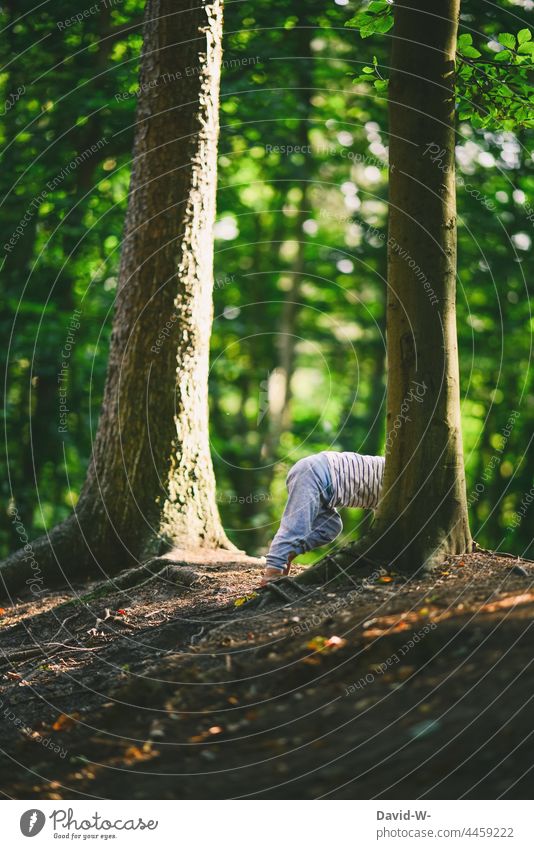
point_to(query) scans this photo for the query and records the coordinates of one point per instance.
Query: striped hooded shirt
(356, 479)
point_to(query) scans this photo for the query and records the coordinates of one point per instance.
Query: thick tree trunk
(423, 511)
(150, 484)
(157, 390)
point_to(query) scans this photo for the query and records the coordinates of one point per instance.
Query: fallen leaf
(317, 644)
(134, 753)
(385, 579)
(326, 643)
(64, 721)
(239, 601)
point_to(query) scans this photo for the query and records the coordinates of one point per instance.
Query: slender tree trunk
(280, 379)
(150, 484)
(280, 417)
(423, 511)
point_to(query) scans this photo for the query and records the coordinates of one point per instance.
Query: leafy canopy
(493, 85)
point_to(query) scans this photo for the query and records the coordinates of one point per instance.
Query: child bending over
(316, 486)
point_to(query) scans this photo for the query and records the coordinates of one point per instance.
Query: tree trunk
(150, 484)
(280, 418)
(279, 381)
(423, 510)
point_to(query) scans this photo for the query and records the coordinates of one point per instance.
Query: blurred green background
(298, 349)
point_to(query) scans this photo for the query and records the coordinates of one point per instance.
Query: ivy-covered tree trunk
(150, 484)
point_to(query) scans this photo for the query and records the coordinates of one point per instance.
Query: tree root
(176, 572)
(70, 554)
(340, 566)
(374, 552)
(67, 554)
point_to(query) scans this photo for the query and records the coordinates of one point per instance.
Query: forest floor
(378, 687)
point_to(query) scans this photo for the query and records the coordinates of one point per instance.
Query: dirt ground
(179, 688)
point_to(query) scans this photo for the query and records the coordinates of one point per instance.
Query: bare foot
(271, 573)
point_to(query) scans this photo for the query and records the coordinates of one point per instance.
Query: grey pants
(307, 521)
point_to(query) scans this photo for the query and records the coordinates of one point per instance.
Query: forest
(232, 239)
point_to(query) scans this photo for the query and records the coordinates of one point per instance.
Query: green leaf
(356, 21)
(378, 6)
(381, 85)
(465, 39)
(368, 23)
(506, 39)
(471, 52)
(503, 56)
(367, 70)
(527, 47)
(524, 35)
(466, 72)
(384, 23)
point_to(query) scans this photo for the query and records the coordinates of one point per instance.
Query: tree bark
(280, 413)
(280, 417)
(423, 510)
(422, 514)
(150, 484)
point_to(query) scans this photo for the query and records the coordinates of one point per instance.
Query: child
(317, 485)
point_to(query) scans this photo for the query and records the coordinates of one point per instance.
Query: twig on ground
(63, 624)
(74, 648)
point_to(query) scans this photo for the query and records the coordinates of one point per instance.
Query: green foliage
(373, 72)
(376, 18)
(495, 88)
(493, 79)
(303, 160)
(66, 146)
